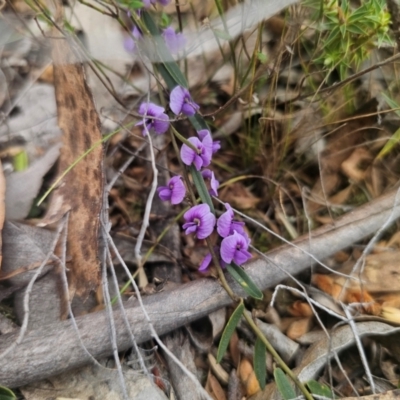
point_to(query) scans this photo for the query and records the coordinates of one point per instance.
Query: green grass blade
(283, 384)
(320, 390)
(395, 138)
(240, 276)
(6, 394)
(169, 70)
(228, 331)
(259, 361)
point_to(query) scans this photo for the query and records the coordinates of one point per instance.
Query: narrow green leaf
(259, 362)
(284, 386)
(221, 34)
(228, 331)
(169, 70)
(20, 161)
(388, 147)
(240, 276)
(391, 103)
(198, 122)
(319, 389)
(198, 181)
(6, 394)
(395, 138)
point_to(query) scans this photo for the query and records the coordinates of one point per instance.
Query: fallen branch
(54, 348)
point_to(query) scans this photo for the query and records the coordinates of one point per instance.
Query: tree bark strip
(55, 348)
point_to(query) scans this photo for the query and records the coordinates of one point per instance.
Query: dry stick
(112, 330)
(54, 348)
(359, 345)
(19, 336)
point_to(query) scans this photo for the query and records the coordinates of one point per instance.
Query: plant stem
(277, 357)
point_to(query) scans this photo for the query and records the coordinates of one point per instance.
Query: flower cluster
(198, 151)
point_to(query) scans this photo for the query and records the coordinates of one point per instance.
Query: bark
(56, 348)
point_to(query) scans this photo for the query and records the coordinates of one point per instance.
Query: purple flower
(130, 43)
(214, 184)
(180, 101)
(174, 41)
(175, 190)
(226, 225)
(205, 262)
(158, 120)
(234, 248)
(199, 220)
(201, 157)
(215, 145)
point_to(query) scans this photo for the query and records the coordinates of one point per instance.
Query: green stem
(276, 356)
(183, 168)
(184, 140)
(221, 274)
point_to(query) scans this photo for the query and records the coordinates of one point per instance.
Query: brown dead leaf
(299, 328)
(352, 166)
(239, 196)
(248, 377)
(80, 191)
(214, 388)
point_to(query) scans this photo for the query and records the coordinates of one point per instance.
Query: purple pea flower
(199, 220)
(180, 101)
(130, 43)
(226, 225)
(214, 184)
(205, 262)
(174, 41)
(175, 190)
(158, 121)
(216, 145)
(234, 248)
(201, 157)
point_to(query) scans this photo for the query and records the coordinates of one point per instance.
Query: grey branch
(55, 348)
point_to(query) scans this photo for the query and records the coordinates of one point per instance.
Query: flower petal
(224, 224)
(241, 256)
(188, 109)
(206, 225)
(176, 99)
(164, 193)
(188, 155)
(205, 262)
(178, 191)
(228, 248)
(150, 109)
(161, 124)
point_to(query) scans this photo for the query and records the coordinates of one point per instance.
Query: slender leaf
(320, 390)
(198, 181)
(259, 362)
(228, 331)
(392, 103)
(284, 386)
(198, 122)
(240, 276)
(6, 394)
(395, 138)
(169, 70)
